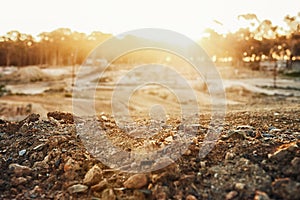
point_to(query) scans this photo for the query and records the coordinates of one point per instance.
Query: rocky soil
(257, 156)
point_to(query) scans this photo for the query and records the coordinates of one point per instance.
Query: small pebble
(190, 197)
(100, 186)
(203, 164)
(259, 195)
(296, 162)
(187, 152)
(93, 176)
(22, 152)
(274, 130)
(169, 139)
(103, 117)
(71, 165)
(18, 181)
(279, 155)
(108, 194)
(136, 181)
(137, 194)
(231, 195)
(77, 188)
(229, 156)
(35, 191)
(39, 147)
(20, 170)
(239, 186)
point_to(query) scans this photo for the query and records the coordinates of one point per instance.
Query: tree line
(58, 48)
(260, 40)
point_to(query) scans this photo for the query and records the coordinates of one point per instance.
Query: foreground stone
(19, 170)
(136, 181)
(93, 176)
(77, 188)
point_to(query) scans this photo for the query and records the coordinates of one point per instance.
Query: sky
(189, 17)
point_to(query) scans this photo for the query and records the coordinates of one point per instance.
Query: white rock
(77, 188)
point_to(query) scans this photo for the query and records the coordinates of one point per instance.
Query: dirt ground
(47, 155)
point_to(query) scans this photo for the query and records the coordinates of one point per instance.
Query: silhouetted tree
(260, 40)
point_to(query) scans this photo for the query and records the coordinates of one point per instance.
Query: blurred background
(255, 46)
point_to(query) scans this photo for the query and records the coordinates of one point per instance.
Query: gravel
(257, 156)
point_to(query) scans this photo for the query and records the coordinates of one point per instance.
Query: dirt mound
(46, 159)
(27, 75)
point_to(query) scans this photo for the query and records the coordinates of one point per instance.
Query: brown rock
(71, 165)
(30, 118)
(296, 162)
(259, 195)
(283, 152)
(178, 195)
(279, 155)
(138, 195)
(161, 195)
(18, 181)
(108, 194)
(40, 165)
(229, 156)
(100, 186)
(160, 192)
(286, 188)
(20, 170)
(231, 195)
(190, 197)
(36, 191)
(66, 118)
(93, 176)
(158, 177)
(292, 148)
(187, 152)
(136, 181)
